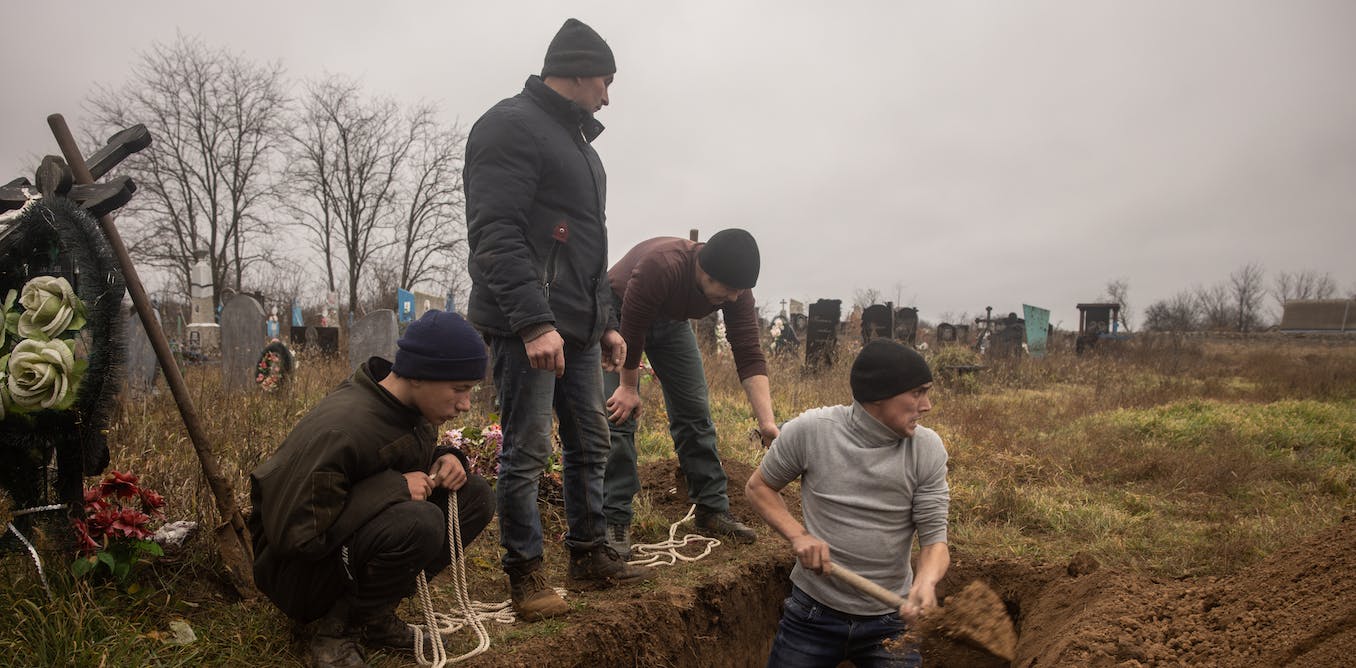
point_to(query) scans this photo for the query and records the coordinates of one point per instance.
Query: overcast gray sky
(958, 154)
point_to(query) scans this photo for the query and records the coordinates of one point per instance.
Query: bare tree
(1179, 313)
(1301, 285)
(1215, 307)
(358, 173)
(431, 233)
(216, 119)
(1117, 292)
(1246, 286)
(863, 298)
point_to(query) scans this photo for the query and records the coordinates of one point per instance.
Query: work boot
(619, 539)
(723, 524)
(532, 599)
(601, 567)
(382, 628)
(333, 646)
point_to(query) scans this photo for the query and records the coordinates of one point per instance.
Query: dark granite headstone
(821, 334)
(946, 333)
(327, 340)
(906, 325)
(877, 323)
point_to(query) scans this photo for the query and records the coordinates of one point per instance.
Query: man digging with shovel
(871, 478)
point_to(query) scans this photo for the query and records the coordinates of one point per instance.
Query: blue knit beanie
(440, 346)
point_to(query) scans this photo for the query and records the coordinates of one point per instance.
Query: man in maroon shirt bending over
(658, 286)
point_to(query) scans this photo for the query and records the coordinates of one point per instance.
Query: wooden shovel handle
(865, 586)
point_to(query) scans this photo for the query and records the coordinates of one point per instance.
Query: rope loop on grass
(470, 613)
(665, 553)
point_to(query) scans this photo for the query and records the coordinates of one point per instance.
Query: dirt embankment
(1297, 608)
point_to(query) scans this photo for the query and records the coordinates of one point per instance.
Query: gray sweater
(865, 492)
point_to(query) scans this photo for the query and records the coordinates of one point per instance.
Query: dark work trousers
(377, 566)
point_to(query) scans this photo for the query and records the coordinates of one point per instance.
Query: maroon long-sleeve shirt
(658, 280)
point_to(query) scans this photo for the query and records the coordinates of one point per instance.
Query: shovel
(975, 616)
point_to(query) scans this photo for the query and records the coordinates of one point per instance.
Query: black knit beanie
(885, 368)
(578, 51)
(731, 257)
(440, 346)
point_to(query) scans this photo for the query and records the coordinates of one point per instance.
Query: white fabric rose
(40, 374)
(50, 308)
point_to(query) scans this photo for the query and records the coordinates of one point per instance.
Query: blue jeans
(811, 634)
(527, 398)
(672, 350)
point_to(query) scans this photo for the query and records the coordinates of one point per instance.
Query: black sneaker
(724, 525)
(601, 566)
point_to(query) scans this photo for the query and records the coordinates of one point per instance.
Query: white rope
(665, 553)
(436, 623)
(472, 613)
(33, 552)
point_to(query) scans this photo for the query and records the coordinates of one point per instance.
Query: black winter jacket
(536, 194)
(341, 466)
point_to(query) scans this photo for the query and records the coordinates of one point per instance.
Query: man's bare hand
(547, 352)
(768, 432)
(812, 552)
(448, 472)
(921, 601)
(623, 403)
(614, 350)
(420, 485)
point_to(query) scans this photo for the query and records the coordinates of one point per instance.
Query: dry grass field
(1168, 459)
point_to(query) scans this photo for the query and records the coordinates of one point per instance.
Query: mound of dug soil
(1297, 608)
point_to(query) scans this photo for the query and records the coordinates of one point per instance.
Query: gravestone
(906, 325)
(242, 339)
(963, 334)
(821, 334)
(326, 340)
(877, 322)
(1037, 329)
(1008, 336)
(373, 336)
(204, 334)
(946, 333)
(139, 363)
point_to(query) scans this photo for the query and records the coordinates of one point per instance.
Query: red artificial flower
(131, 523)
(100, 523)
(151, 501)
(85, 543)
(120, 484)
(94, 501)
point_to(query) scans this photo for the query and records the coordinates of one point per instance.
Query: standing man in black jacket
(535, 199)
(341, 513)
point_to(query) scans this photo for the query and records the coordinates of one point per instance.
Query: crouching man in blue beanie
(354, 504)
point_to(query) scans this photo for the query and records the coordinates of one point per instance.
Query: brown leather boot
(333, 646)
(532, 599)
(601, 566)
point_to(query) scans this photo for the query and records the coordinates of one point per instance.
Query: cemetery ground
(1170, 502)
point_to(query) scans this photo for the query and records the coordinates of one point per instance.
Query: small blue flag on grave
(404, 305)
